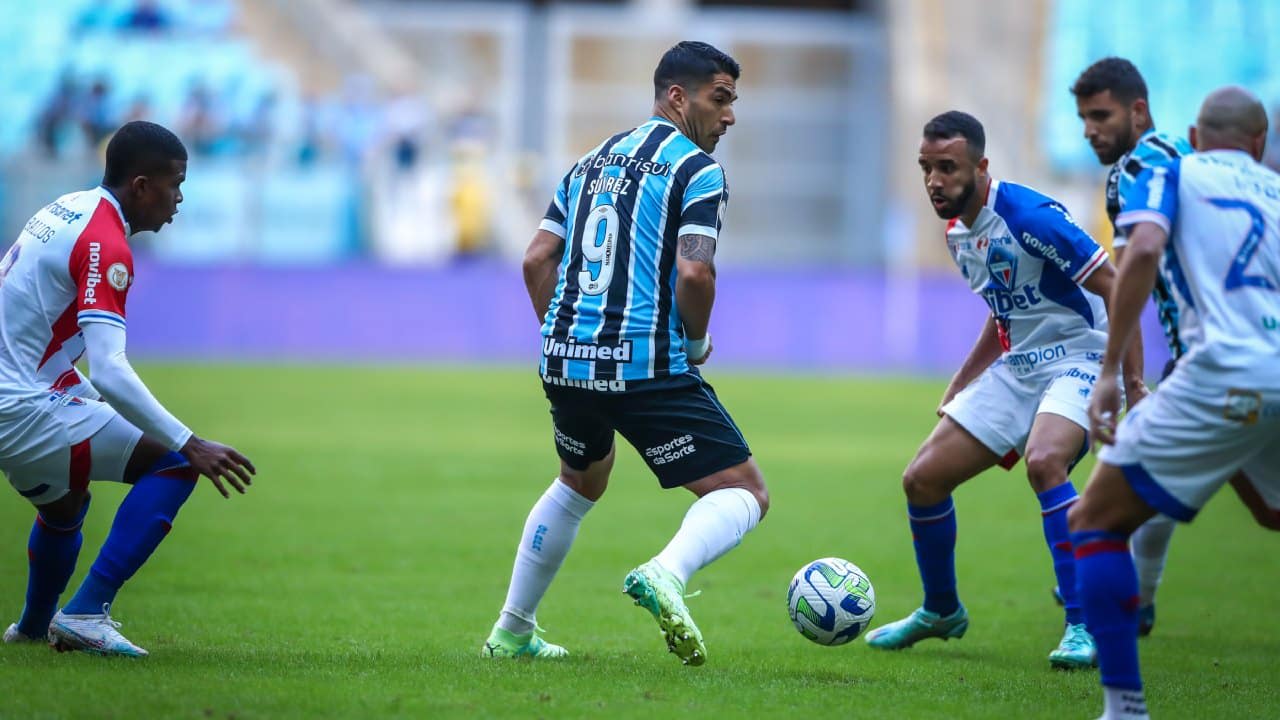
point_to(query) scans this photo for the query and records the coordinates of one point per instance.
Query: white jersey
(1028, 259)
(1221, 210)
(70, 265)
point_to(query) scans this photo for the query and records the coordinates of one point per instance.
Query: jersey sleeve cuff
(1129, 218)
(100, 316)
(178, 440)
(698, 230)
(553, 227)
(1095, 261)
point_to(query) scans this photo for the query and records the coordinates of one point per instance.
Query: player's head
(953, 161)
(1231, 118)
(1111, 99)
(146, 165)
(695, 86)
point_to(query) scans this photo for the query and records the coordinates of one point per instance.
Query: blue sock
(1109, 591)
(933, 530)
(1053, 512)
(143, 520)
(51, 554)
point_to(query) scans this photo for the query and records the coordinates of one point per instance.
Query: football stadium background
(340, 297)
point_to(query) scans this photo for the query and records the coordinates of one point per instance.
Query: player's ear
(138, 185)
(1191, 137)
(1259, 143)
(1140, 107)
(677, 96)
(982, 165)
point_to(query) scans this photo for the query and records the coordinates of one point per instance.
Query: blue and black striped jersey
(1153, 149)
(621, 209)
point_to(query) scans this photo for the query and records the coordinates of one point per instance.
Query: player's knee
(921, 484)
(587, 484)
(1046, 469)
(1079, 516)
(66, 512)
(760, 493)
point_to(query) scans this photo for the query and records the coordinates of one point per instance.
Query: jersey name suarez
(1028, 260)
(1222, 260)
(621, 209)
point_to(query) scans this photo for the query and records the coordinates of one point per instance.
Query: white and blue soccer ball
(831, 601)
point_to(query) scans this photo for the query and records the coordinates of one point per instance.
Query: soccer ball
(830, 601)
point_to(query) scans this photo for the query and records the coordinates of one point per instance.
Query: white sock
(1124, 704)
(713, 526)
(548, 534)
(1149, 546)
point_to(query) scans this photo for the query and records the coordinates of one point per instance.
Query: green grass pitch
(361, 574)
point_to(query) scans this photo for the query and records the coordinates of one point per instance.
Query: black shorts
(676, 423)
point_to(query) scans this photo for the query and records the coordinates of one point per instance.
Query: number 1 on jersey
(599, 249)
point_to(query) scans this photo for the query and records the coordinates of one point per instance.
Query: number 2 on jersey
(1236, 277)
(599, 248)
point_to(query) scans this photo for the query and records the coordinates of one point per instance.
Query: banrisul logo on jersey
(1002, 291)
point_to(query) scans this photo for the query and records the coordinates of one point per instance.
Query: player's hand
(694, 345)
(1103, 408)
(702, 360)
(1134, 392)
(219, 462)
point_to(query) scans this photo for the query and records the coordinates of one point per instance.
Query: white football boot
(14, 636)
(96, 634)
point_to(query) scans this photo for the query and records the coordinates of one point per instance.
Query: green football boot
(919, 625)
(504, 644)
(1076, 651)
(655, 589)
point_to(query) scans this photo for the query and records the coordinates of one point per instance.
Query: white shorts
(1185, 441)
(1000, 406)
(63, 443)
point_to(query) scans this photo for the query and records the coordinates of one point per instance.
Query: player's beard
(1124, 143)
(955, 208)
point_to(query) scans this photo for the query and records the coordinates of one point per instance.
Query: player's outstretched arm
(541, 269)
(986, 349)
(1102, 282)
(1133, 283)
(696, 292)
(121, 388)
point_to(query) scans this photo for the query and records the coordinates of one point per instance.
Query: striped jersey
(1221, 210)
(621, 208)
(70, 265)
(1153, 149)
(1026, 257)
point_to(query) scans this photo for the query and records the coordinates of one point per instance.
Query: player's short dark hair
(953, 124)
(689, 64)
(140, 148)
(1111, 73)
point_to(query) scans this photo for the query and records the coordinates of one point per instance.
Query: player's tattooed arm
(695, 283)
(698, 248)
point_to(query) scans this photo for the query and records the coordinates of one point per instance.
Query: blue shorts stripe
(1154, 495)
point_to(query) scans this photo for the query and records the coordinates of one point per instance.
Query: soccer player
(1023, 390)
(63, 286)
(621, 274)
(1213, 217)
(1111, 100)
